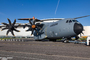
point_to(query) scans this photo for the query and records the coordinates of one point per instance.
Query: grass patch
(82, 38)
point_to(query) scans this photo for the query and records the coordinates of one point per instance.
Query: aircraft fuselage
(61, 29)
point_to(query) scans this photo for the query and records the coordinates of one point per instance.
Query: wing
(29, 19)
(81, 17)
(37, 20)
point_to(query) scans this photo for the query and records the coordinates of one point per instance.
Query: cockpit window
(67, 21)
(74, 20)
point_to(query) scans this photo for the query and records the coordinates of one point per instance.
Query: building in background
(86, 32)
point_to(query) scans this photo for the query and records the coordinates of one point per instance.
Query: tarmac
(43, 50)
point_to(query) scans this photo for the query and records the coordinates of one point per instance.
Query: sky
(42, 9)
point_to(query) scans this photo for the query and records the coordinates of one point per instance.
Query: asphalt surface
(47, 50)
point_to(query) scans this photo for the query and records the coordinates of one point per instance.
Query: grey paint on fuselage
(62, 29)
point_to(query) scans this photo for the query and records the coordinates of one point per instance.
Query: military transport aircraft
(63, 28)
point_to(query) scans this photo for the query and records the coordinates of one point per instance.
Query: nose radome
(78, 28)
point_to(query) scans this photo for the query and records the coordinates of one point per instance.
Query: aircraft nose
(78, 28)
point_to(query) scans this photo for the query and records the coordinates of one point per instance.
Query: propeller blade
(12, 33)
(7, 32)
(4, 29)
(16, 30)
(82, 33)
(32, 31)
(5, 24)
(34, 22)
(14, 22)
(9, 21)
(36, 31)
(19, 26)
(16, 26)
(30, 22)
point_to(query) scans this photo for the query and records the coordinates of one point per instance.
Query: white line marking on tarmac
(23, 57)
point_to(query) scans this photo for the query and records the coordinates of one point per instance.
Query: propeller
(11, 27)
(33, 26)
(81, 33)
(77, 37)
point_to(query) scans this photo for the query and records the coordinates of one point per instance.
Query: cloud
(57, 6)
